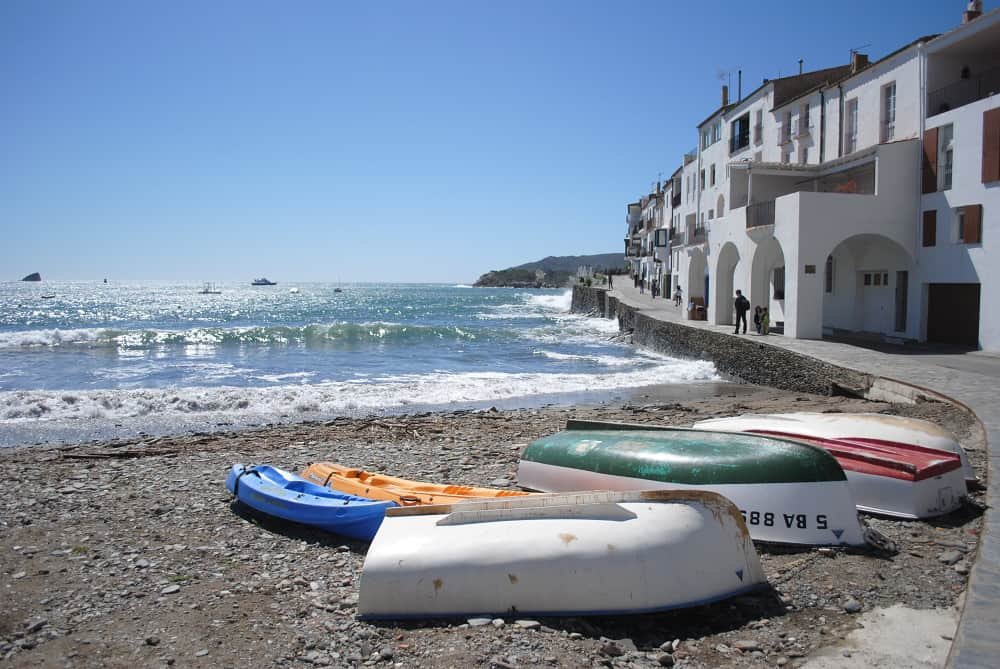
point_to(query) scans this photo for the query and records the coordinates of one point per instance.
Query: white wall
(951, 262)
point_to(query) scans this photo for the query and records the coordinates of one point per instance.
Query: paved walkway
(972, 379)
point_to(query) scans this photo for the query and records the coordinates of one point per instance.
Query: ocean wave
(331, 398)
(280, 335)
(604, 360)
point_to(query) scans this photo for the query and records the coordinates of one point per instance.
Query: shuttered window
(991, 145)
(930, 160)
(972, 228)
(930, 228)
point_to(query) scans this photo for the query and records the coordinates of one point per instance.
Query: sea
(90, 360)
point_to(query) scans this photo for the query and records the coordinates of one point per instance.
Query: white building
(855, 200)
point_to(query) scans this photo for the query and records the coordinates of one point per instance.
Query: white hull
(847, 425)
(579, 554)
(811, 514)
(900, 498)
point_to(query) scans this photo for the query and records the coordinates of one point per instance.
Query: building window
(720, 207)
(716, 131)
(946, 156)
(828, 277)
(711, 174)
(711, 214)
(701, 180)
(868, 279)
(969, 224)
(786, 128)
(779, 283)
(851, 126)
(705, 135)
(804, 119)
(739, 137)
(758, 126)
(889, 112)
(877, 279)
(930, 228)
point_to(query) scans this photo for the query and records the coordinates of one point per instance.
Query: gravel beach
(132, 553)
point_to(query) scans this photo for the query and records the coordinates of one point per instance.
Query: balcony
(803, 129)
(785, 135)
(760, 213)
(675, 199)
(963, 91)
(695, 234)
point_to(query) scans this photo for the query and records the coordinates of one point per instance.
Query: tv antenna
(858, 48)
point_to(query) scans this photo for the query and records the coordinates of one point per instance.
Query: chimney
(858, 61)
(739, 85)
(972, 11)
(800, 66)
(725, 95)
(657, 187)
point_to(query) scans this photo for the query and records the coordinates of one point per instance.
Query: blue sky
(371, 141)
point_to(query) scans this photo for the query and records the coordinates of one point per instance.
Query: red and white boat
(889, 477)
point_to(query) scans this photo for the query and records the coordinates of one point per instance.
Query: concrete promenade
(971, 379)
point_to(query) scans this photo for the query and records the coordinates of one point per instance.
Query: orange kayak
(405, 493)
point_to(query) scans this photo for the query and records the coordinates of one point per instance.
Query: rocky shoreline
(131, 553)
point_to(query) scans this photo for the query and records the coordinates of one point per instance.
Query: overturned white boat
(557, 555)
(886, 477)
(873, 428)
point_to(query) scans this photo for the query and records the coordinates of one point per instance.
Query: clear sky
(371, 141)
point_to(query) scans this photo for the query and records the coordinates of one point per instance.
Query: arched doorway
(767, 281)
(697, 282)
(866, 287)
(725, 287)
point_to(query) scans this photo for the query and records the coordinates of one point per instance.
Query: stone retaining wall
(737, 358)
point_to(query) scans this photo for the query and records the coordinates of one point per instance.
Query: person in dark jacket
(756, 319)
(742, 307)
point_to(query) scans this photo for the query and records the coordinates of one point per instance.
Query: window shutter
(930, 160)
(991, 145)
(930, 227)
(973, 232)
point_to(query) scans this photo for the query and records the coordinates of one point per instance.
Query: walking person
(677, 296)
(610, 287)
(756, 319)
(765, 321)
(653, 288)
(742, 305)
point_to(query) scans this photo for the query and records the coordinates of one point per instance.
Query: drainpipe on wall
(922, 128)
(840, 120)
(822, 124)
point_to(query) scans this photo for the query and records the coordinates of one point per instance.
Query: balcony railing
(760, 213)
(803, 129)
(963, 91)
(696, 234)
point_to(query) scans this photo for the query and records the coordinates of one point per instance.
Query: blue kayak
(284, 495)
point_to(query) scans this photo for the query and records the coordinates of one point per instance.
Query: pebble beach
(132, 553)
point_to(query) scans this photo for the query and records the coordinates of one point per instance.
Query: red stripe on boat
(880, 457)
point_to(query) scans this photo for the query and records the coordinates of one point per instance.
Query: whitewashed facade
(809, 195)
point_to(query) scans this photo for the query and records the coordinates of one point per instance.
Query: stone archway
(866, 288)
(767, 281)
(725, 271)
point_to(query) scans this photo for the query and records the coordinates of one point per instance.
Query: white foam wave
(54, 337)
(331, 398)
(606, 360)
(560, 303)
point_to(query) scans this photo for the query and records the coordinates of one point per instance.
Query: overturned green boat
(788, 492)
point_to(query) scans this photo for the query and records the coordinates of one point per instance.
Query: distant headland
(34, 276)
(550, 272)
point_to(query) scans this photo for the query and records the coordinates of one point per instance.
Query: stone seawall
(738, 358)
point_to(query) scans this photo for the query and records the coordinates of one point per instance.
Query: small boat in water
(209, 289)
(789, 492)
(263, 282)
(284, 495)
(887, 478)
(586, 553)
(872, 428)
(48, 296)
(401, 491)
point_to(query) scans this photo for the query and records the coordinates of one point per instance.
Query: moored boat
(577, 554)
(263, 281)
(402, 491)
(887, 478)
(789, 492)
(873, 428)
(284, 495)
